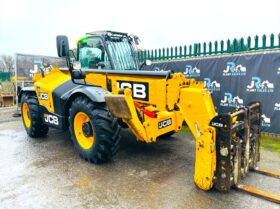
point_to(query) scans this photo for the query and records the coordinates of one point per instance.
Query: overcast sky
(30, 26)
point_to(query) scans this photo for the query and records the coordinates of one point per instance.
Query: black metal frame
(104, 35)
(237, 144)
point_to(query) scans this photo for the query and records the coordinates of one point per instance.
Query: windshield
(92, 54)
(122, 54)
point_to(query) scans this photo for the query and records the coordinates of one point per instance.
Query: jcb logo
(220, 125)
(52, 119)
(140, 90)
(43, 96)
(165, 123)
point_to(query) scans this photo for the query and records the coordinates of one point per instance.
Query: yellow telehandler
(103, 89)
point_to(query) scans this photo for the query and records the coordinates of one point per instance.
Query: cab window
(92, 54)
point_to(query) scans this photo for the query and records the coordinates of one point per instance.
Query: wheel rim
(26, 116)
(83, 139)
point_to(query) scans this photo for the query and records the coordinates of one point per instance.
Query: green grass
(6, 87)
(185, 129)
(271, 143)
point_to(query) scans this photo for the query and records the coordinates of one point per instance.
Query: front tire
(31, 117)
(94, 131)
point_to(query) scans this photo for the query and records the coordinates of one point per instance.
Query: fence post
(235, 45)
(171, 52)
(190, 50)
(210, 48)
(228, 46)
(256, 42)
(272, 41)
(222, 46)
(195, 50)
(204, 48)
(249, 42)
(216, 47)
(185, 51)
(199, 49)
(176, 52)
(242, 47)
(264, 41)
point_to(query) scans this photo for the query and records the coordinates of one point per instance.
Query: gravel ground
(47, 173)
(6, 114)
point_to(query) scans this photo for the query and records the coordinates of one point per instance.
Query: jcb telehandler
(104, 89)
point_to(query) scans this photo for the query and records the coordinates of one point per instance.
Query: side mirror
(78, 74)
(62, 46)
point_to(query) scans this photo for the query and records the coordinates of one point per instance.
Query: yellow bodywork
(197, 108)
(172, 101)
(122, 106)
(47, 84)
(178, 99)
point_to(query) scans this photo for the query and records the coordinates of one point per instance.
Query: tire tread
(107, 131)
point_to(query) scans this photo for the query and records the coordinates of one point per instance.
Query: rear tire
(94, 131)
(31, 117)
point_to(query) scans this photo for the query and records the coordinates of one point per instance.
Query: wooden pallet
(7, 100)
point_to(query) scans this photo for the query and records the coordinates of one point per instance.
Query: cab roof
(102, 33)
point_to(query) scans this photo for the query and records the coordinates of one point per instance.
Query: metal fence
(212, 48)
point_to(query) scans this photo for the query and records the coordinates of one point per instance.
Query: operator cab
(104, 52)
(108, 50)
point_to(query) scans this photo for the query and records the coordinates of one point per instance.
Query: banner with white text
(236, 81)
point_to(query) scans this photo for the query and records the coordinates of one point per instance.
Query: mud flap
(122, 106)
(118, 106)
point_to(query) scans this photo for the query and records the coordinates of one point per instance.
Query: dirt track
(47, 173)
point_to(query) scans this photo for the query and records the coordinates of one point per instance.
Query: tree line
(7, 63)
